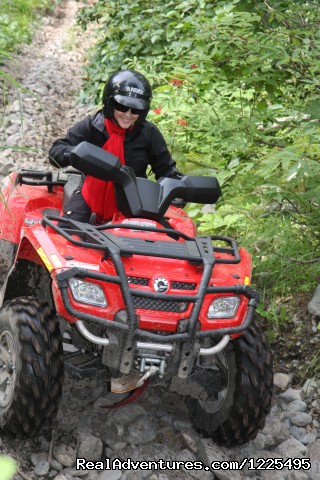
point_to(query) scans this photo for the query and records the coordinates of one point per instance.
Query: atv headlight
(223, 307)
(87, 292)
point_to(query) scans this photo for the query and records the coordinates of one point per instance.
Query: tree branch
(301, 262)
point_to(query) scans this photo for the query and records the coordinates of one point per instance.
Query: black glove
(66, 159)
(178, 202)
(175, 173)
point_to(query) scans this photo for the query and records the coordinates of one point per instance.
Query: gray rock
(276, 430)
(259, 442)
(136, 475)
(310, 387)
(300, 419)
(276, 475)
(290, 395)
(314, 304)
(56, 465)
(309, 438)
(297, 475)
(297, 406)
(187, 456)
(291, 448)
(191, 440)
(6, 169)
(91, 447)
(65, 454)
(125, 415)
(110, 475)
(42, 468)
(88, 446)
(181, 423)
(282, 380)
(37, 457)
(14, 140)
(112, 434)
(266, 454)
(298, 432)
(119, 446)
(74, 473)
(313, 453)
(209, 452)
(141, 430)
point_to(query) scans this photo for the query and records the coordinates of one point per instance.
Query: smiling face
(125, 119)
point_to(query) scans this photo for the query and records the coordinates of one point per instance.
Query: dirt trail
(50, 72)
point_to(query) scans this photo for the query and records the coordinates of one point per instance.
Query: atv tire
(31, 366)
(238, 412)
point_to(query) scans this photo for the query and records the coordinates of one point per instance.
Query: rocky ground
(157, 425)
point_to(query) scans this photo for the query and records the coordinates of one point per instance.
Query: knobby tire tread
(252, 394)
(39, 382)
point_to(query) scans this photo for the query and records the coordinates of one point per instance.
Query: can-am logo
(134, 90)
(161, 285)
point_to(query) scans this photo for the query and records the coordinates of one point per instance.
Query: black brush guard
(198, 250)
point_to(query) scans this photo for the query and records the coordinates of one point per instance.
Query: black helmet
(128, 88)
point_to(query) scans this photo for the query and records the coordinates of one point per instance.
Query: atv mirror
(95, 161)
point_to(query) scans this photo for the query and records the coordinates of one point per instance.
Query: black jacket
(143, 146)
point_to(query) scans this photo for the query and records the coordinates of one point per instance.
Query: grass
(17, 19)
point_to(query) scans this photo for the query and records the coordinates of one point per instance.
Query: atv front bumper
(123, 332)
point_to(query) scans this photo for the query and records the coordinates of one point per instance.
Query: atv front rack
(195, 250)
(198, 250)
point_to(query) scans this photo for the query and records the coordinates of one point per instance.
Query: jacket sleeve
(161, 162)
(59, 152)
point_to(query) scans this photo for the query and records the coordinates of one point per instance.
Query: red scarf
(99, 194)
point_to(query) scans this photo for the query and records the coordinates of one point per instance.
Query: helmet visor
(132, 102)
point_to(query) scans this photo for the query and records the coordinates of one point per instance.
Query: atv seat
(50, 211)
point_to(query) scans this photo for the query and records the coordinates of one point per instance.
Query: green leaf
(8, 468)
(313, 109)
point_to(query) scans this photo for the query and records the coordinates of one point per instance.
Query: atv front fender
(8, 253)
(36, 247)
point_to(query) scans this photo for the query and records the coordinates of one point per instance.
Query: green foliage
(7, 467)
(15, 19)
(236, 94)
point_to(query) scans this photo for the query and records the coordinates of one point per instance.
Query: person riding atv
(120, 128)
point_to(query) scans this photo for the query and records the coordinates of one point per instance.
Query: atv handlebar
(140, 197)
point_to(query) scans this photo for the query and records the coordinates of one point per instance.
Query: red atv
(141, 296)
